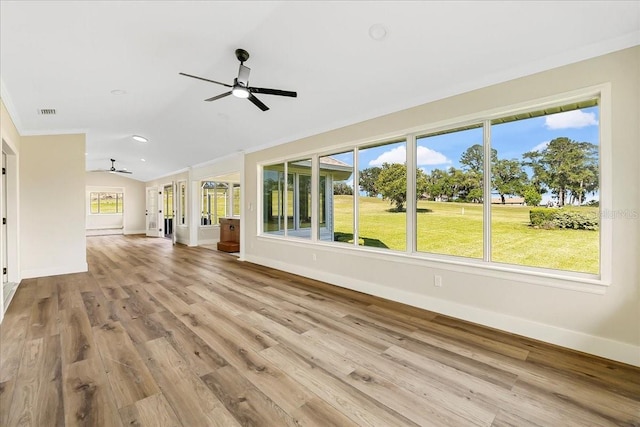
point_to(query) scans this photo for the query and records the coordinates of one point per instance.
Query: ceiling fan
(241, 88)
(113, 168)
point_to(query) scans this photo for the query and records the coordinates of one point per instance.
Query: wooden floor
(155, 335)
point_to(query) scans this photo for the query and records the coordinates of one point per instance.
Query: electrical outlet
(437, 281)
(314, 257)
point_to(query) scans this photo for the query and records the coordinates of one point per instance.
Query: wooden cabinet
(229, 235)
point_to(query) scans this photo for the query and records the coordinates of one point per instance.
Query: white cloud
(396, 155)
(541, 146)
(425, 155)
(570, 119)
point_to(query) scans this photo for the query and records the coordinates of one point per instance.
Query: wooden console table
(229, 235)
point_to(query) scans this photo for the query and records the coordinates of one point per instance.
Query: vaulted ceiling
(110, 68)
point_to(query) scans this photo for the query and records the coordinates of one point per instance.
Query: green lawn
(456, 229)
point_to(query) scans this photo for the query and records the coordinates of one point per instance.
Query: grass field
(456, 229)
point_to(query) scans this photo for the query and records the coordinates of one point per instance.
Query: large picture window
(545, 189)
(382, 216)
(106, 203)
(335, 201)
(287, 209)
(519, 189)
(273, 192)
(449, 184)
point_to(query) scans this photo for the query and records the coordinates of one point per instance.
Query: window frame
(584, 282)
(215, 218)
(236, 186)
(119, 202)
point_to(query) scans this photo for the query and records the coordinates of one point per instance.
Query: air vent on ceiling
(47, 111)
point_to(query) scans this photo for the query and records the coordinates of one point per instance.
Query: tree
(472, 158)
(341, 188)
(392, 184)
(422, 184)
(531, 196)
(533, 159)
(566, 167)
(438, 184)
(508, 178)
(476, 195)
(473, 165)
(368, 178)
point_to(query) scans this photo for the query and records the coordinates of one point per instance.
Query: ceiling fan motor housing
(242, 55)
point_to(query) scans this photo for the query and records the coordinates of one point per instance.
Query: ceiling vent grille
(47, 111)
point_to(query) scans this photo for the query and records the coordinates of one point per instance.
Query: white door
(154, 212)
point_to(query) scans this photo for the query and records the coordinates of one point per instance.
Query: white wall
(223, 169)
(52, 204)
(606, 324)
(133, 217)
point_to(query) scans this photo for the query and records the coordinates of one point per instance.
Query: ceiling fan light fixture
(240, 92)
(140, 138)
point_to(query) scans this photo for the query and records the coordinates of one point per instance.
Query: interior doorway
(168, 208)
(8, 228)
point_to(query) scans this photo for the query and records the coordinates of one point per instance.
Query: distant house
(298, 210)
(508, 201)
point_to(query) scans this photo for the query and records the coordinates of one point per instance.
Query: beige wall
(606, 324)
(7, 127)
(52, 205)
(225, 169)
(134, 202)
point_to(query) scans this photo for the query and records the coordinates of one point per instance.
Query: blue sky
(510, 139)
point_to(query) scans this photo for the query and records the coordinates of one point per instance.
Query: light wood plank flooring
(156, 335)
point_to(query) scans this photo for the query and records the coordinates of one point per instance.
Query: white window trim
(101, 213)
(179, 209)
(576, 281)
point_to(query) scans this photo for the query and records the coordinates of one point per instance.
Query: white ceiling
(70, 55)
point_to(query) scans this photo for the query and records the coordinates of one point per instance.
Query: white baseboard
(126, 231)
(182, 241)
(54, 271)
(103, 231)
(208, 241)
(603, 347)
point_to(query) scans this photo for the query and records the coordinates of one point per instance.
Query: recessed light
(378, 32)
(142, 160)
(140, 138)
(118, 92)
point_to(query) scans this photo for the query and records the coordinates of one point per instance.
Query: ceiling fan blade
(257, 102)
(213, 98)
(273, 91)
(123, 171)
(206, 80)
(243, 75)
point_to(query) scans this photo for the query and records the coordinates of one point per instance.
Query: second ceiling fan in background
(241, 88)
